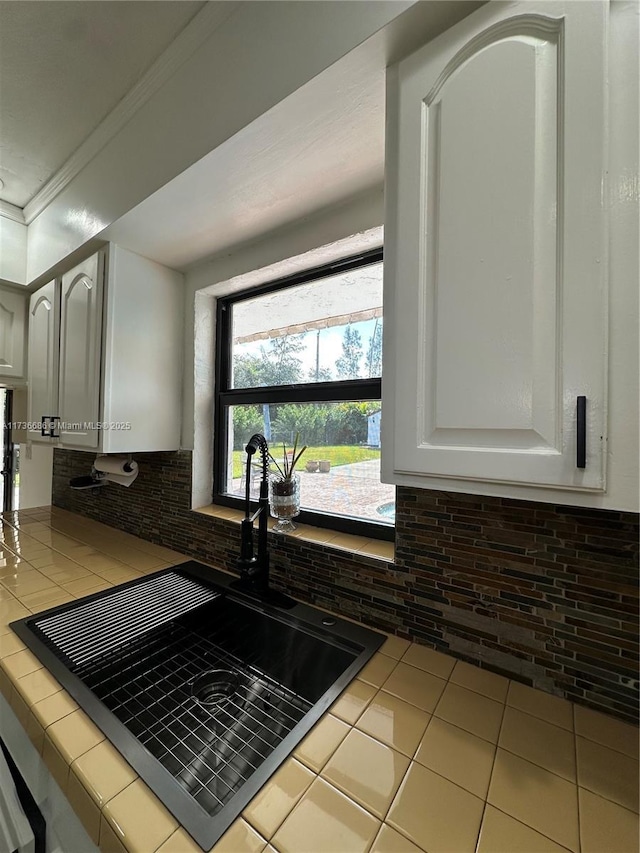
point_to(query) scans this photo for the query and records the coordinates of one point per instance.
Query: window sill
(376, 548)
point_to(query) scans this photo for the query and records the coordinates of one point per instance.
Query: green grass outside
(337, 455)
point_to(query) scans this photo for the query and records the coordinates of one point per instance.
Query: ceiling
(64, 65)
(309, 154)
(321, 145)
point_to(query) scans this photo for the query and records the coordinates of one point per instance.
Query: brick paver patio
(353, 490)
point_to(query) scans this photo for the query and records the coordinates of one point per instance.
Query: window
(303, 356)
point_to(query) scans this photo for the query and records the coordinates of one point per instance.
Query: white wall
(36, 460)
(13, 251)
(36, 474)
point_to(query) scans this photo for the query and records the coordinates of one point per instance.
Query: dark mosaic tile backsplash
(542, 593)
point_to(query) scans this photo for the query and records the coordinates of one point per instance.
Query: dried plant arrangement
(288, 462)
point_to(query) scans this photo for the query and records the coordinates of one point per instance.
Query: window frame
(312, 392)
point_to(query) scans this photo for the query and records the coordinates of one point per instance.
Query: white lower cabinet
(496, 254)
(13, 362)
(105, 363)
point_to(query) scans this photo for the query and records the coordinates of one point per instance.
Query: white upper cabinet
(44, 336)
(80, 351)
(105, 363)
(496, 252)
(13, 362)
(141, 354)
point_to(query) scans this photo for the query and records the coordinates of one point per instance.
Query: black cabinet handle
(48, 431)
(581, 432)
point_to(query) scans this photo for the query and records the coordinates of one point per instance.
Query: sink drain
(211, 688)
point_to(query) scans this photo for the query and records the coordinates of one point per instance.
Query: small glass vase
(284, 501)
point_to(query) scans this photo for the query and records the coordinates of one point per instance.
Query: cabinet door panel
(80, 346)
(491, 228)
(44, 339)
(12, 334)
(498, 268)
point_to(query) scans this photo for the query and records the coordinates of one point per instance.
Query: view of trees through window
(316, 424)
(326, 331)
(285, 360)
(280, 361)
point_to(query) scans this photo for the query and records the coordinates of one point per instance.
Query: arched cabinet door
(44, 330)
(80, 349)
(12, 336)
(495, 251)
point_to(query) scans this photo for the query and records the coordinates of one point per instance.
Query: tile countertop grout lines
(415, 752)
(493, 764)
(575, 754)
(409, 677)
(413, 759)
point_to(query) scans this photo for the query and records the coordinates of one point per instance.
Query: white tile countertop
(421, 752)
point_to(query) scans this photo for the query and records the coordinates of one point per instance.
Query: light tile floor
(420, 753)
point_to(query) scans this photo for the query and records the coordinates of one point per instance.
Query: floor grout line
(493, 764)
(544, 835)
(575, 756)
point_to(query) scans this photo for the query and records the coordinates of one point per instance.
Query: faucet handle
(246, 540)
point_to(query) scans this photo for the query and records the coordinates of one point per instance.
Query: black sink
(205, 692)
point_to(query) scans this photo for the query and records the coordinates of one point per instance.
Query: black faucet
(254, 569)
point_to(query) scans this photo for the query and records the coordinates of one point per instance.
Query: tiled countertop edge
(375, 548)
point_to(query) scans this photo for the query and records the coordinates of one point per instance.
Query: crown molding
(193, 36)
(11, 211)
